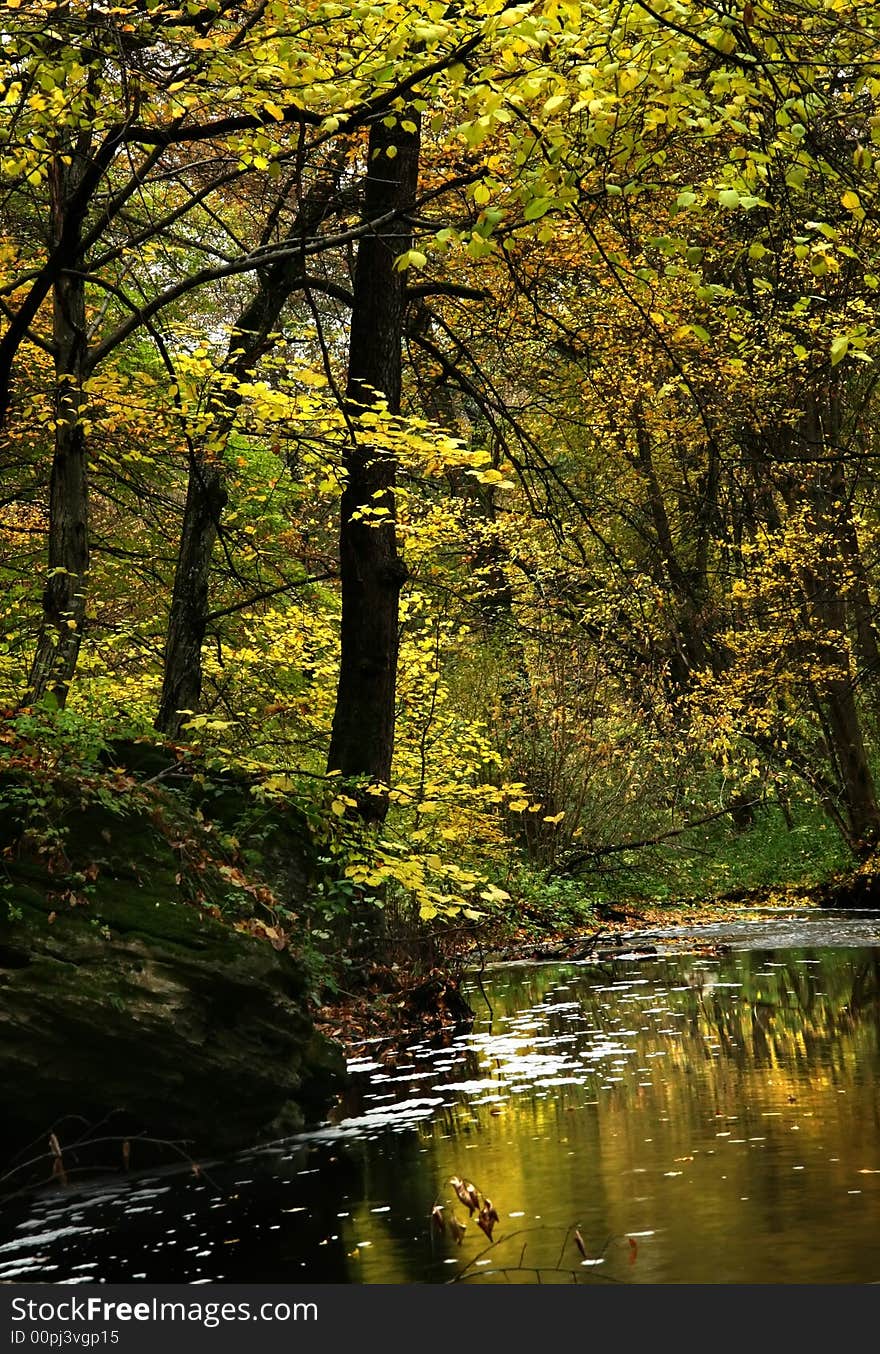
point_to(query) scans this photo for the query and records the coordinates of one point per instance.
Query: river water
(696, 1118)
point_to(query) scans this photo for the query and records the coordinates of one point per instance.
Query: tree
(252, 335)
(371, 571)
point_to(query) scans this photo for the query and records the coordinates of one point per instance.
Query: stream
(697, 1117)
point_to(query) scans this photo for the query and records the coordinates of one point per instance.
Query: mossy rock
(123, 1004)
(158, 1019)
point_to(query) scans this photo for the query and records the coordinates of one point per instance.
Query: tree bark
(206, 497)
(371, 570)
(835, 691)
(64, 597)
(689, 648)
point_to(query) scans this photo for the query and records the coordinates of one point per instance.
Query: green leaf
(538, 207)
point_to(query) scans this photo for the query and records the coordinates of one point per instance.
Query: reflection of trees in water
(866, 985)
(764, 1055)
(781, 1040)
(760, 1055)
(796, 1013)
(791, 1013)
(781, 1011)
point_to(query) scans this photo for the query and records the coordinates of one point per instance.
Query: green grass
(708, 863)
(717, 860)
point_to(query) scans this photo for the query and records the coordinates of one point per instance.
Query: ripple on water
(557, 1108)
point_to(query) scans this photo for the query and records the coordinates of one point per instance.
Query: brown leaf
(485, 1220)
(457, 1228)
(126, 1153)
(54, 1145)
(579, 1242)
(437, 1217)
(633, 1249)
(462, 1189)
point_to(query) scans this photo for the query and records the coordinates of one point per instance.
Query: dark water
(699, 1120)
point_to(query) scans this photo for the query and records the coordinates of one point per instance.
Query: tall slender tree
(371, 570)
(206, 490)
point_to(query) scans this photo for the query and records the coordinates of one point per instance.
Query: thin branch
(263, 596)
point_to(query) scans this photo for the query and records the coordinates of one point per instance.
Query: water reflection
(698, 1120)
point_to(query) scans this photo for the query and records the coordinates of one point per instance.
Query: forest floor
(395, 1004)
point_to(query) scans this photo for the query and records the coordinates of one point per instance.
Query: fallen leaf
(487, 1218)
(466, 1193)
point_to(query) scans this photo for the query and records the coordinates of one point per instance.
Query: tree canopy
(460, 418)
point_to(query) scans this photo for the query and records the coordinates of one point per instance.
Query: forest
(443, 436)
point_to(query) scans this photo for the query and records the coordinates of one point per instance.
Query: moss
(121, 995)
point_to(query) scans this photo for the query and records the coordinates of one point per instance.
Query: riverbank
(155, 1002)
(394, 1006)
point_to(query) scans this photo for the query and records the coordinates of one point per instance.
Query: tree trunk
(371, 570)
(822, 584)
(206, 495)
(689, 649)
(64, 597)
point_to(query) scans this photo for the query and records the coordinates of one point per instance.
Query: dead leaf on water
(466, 1192)
(487, 1218)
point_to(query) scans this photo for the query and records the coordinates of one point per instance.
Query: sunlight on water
(708, 1120)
